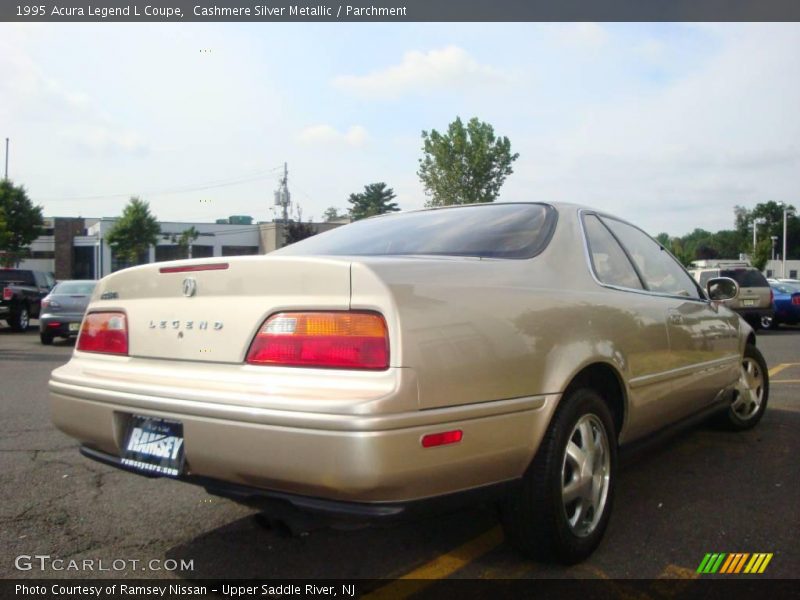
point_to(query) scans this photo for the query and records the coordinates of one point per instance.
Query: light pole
(756, 222)
(786, 212)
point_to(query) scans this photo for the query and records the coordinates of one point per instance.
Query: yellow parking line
(440, 567)
(595, 571)
(778, 368)
(676, 572)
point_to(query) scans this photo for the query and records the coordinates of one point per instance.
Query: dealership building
(76, 247)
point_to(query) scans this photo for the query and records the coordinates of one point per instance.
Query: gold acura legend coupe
(409, 361)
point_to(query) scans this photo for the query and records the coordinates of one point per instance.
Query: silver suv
(754, 300)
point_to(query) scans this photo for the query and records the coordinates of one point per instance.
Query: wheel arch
(605, 379)
(751, 339)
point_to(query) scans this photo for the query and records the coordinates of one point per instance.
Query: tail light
(48, 303)
(341, 340)
(8, 293)
(796, 300)
(104, 332)
(771, 296)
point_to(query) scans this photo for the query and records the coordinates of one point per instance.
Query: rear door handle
(675, 318)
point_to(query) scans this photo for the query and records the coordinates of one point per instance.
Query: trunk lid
(69, 303)
(212, 315)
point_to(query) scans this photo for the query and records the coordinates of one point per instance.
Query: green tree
(742, 219)
(762, 254)
(4, 234)
(184, 240)
(772, 214)
(332, 213)
(296, 229)
(663, 239)
(20, 223)
(465, 165)
(134, 232)
(729, 243)
(376, 199)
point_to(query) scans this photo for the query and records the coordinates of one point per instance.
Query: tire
(20, 320)
(769, 323)
(752, 392)
(46, 338)
(538, 522)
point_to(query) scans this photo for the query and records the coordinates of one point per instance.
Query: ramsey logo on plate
(154, 445)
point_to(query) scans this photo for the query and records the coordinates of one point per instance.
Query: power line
(190, 188)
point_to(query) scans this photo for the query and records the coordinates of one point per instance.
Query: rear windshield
(745, 277)
(493, 231)
(705, 276)
(17, 276)
(76, 288)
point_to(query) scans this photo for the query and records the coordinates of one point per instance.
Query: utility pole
(282, 195)
(283, 199)
(786, 212)
(6, 175)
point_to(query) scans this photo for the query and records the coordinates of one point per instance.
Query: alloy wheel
(585, 475)
(749, 390)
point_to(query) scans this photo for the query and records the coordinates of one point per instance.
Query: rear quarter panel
(482, 330)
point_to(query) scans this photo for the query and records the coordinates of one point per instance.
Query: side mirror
(722, 288)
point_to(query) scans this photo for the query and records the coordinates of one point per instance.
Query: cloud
(584, 36)
(31, 93)
(680, 152)
(325, 134)
(105, 141)
(444, 69)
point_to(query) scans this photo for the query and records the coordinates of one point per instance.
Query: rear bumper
(754, 313)
(59, 325)
(789, 314)
(330, 511)
(362, 458)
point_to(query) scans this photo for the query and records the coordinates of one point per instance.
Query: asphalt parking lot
(700, 491)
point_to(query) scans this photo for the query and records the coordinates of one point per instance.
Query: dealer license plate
(154, 445)
(748, 302)
(74, 326)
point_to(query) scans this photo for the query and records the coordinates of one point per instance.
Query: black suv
(22, 293)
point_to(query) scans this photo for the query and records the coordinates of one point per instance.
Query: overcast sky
(668, 125)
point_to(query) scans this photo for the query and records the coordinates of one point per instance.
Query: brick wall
(64, 231)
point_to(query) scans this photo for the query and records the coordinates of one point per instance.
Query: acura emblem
(189, 287)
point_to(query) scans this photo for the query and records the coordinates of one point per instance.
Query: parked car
(754, 301)
(792, 281)
(493, 352)
(22, 293)
(787, 304)
(63, 309)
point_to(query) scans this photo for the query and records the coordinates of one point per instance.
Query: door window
(661, 272)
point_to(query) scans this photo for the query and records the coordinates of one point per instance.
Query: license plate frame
(154, 446)
(74, 327)
(748, 303)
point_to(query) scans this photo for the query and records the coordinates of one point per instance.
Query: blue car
(787, 304)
